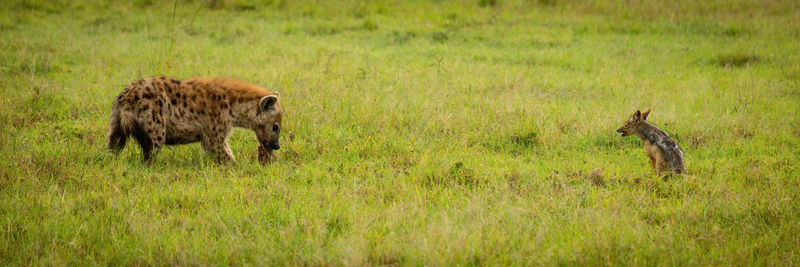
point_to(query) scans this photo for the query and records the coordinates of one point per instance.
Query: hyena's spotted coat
(161, 111)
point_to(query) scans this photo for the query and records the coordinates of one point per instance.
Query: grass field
(415, 133)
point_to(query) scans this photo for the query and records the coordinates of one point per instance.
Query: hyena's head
(267, 122)
(632, 124)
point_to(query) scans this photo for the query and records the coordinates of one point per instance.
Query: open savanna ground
(414, 133)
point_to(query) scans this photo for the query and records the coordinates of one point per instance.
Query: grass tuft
(439, 37)
(736, 60)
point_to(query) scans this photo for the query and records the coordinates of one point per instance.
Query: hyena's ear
(267, 103)
(644, 114)
(637, 115)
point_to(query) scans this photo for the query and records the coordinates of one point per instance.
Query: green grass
(415, 133)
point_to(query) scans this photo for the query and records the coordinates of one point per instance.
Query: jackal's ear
(267, 103)
(637, 115)
(644, 114)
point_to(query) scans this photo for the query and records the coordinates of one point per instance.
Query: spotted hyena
(161, 111)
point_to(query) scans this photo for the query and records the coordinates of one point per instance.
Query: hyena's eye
(275, 127)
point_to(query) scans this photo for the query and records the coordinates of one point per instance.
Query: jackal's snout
(622, 131)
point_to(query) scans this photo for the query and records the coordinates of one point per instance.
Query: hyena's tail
(121, 124)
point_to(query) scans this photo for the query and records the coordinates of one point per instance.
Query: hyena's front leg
(216, 145)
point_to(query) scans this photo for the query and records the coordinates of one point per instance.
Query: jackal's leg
(659, 165)
(653, 162)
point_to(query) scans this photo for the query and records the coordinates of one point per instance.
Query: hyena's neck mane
(240, 89)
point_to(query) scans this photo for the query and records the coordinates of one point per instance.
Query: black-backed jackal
(664, 153)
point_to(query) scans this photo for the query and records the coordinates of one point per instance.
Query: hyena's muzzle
(275, 145)
(272, 145)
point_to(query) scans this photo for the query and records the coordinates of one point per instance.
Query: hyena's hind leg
(152, 135)
(150, 132)
(144, 142)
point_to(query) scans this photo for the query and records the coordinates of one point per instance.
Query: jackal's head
(632, 124)
(267, 123)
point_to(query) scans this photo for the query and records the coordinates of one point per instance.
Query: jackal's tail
(677, 165)
(121, 124)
